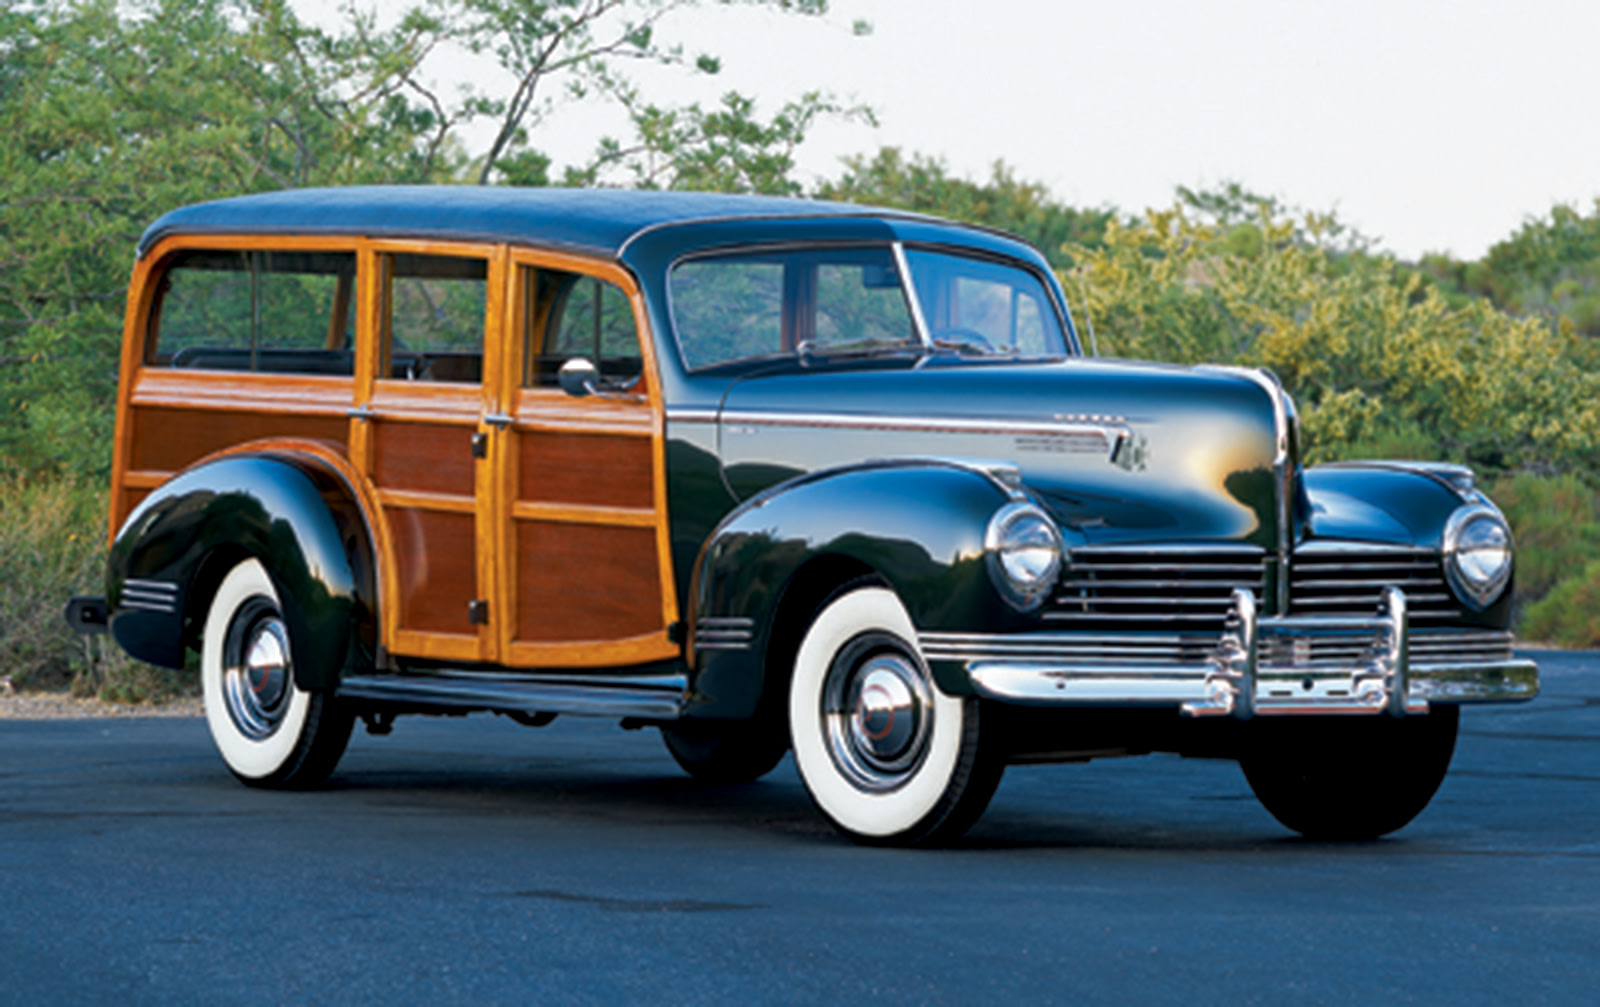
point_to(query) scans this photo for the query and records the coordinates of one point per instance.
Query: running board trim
(658, 697)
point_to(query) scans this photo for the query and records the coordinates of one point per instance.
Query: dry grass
(52, 546)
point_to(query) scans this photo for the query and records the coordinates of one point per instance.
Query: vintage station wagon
(765, 475)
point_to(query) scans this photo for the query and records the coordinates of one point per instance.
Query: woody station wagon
(764, 475)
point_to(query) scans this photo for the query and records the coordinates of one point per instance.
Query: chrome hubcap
(878, 707)
(257, 676)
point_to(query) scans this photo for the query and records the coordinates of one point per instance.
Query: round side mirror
(579, 376)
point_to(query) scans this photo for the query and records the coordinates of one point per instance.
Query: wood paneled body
(517, 526)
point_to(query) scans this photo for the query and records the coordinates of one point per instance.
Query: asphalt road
(477, 861)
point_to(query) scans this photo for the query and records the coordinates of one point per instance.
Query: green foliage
(115, 113)
(924, 185)
(725, 149)
(1570, 614)
(1549, 268)
(1555, 522)
(1378, 363)
(52, 546)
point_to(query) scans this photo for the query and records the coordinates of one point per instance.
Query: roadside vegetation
(117, 112)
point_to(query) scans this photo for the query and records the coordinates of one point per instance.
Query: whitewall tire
(886, 755)
(270, 732)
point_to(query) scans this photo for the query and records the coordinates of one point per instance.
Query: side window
(758, 304)
(434, 318)
(728, 309)
(570, 315)
(266, 311)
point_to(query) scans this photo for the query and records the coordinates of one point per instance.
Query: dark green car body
(1203, 576)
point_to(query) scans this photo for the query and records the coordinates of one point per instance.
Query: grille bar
(1170, 586)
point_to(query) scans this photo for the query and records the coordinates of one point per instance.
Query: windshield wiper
(809, 350)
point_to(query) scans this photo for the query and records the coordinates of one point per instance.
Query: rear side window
(265, 311)
(434, 324)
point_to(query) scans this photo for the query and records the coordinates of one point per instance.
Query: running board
(658, 697)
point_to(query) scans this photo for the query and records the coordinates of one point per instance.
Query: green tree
(1379, 364)
(924, 185)
(727, 148)
(118, 112)
(1549, 268)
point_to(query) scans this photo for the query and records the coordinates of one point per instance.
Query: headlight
(1024, 554)
(1477, 555)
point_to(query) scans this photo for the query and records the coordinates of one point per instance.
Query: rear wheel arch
(300, 517)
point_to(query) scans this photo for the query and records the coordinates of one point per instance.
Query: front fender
(1395, 503)
(292, 516)
(918, 526)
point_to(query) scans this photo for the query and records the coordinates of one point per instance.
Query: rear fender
(295, 514)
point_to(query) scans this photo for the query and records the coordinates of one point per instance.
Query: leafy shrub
(1378, 362)
(1556, 526)
(1570, 614)
(52, 546)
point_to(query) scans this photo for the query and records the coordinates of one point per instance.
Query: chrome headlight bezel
(1024, 550)
(1476, 587)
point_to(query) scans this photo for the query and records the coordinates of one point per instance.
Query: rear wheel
(886, 756)
(1343, 778)
(270, 732)
(736, 753)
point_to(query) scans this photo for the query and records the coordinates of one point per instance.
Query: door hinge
(478, 612)
(480, 445)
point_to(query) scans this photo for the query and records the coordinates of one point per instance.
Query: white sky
(1430, 126)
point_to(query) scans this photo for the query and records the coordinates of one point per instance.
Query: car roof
(599, 221)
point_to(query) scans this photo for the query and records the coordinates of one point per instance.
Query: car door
(429, 377)
(585, 572)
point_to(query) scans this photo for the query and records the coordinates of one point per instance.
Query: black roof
(592, 220)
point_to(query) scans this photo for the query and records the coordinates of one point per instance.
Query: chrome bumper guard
(1247, 674)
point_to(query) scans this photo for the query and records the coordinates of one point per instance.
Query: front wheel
(886, 756)
(270, 732)
(1345, 778)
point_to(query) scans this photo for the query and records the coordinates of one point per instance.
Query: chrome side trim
(685, 414)
(150, 596)
(724, 632)
(1079, 435)
(652, 697)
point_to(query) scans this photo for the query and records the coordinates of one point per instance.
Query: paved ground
(473, 860)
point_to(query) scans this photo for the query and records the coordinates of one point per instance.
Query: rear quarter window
(262, 311)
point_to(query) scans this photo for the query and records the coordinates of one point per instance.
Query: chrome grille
(1340, 580)
(1182, 589)
(1436, 647)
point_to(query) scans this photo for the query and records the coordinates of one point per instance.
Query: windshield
(984, 307)
(833, 302)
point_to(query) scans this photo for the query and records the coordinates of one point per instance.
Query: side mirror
(579, 376)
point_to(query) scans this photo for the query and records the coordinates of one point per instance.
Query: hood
(1117, 451)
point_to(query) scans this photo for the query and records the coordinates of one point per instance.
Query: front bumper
(1273, 665)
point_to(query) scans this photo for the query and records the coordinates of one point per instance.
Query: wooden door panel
(604, 470)
(424, 458)
(586, 582)
(436, 559)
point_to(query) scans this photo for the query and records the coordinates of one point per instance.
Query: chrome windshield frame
(908, 286)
